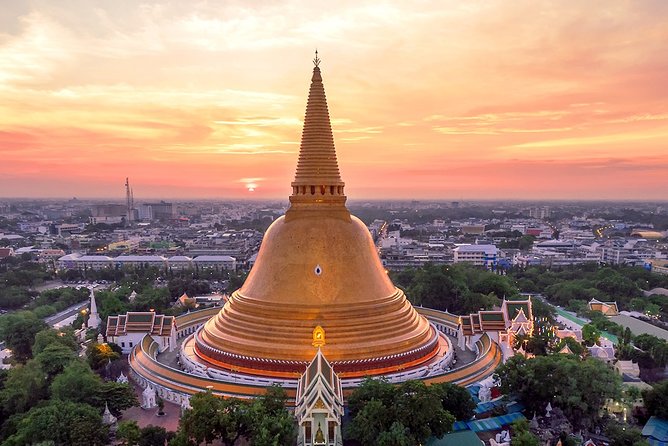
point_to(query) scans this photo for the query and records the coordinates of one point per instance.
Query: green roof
(140, 317)
(496, 316)
(461, 438)
(514, 308)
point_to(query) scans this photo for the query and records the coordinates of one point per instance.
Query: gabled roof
(319, 388)
(492, 321)
(140, 322)
(520, 318)
(512, 307)
(607, 308)
(514, 315)
(566, 350)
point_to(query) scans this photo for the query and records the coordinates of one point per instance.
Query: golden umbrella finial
(317, 60)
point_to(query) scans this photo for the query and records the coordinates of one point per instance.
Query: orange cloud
(476, 100)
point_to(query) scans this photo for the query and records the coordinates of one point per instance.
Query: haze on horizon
(441, 99)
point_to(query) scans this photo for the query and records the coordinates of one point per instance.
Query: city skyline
(535, 100)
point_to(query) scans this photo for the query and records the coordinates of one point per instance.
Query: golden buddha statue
(319, 436)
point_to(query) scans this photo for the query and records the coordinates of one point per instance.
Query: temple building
(127, 330)
(319, 404)
(514, 318)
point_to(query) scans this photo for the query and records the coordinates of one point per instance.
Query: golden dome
(317, 266)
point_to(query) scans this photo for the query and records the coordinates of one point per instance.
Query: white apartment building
(479, 255)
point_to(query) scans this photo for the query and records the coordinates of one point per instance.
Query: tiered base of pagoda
(176, 380)
(359, 338)
(267, 367)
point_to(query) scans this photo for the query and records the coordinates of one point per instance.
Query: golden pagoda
(317, 281)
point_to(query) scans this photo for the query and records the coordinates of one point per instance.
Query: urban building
(479, 255)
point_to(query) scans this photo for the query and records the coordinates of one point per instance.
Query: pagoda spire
(317, 179)
(94, 318)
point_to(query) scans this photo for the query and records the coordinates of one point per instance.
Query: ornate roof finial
(316, 61)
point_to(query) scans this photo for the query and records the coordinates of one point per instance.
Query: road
(67, 316)
(56, 319)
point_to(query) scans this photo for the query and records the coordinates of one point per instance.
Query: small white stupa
(94, 320)
(461, 339)
(107, 418)
(122, 378)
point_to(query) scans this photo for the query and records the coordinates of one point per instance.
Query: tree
(233, 420)
(638, 304)
(62, 422)
(434, 288)
(540, 343)
(18, 330)
(626, 338)
(526, 242)
(13, 297)
(656, 347)
(409, 412)
(521, 434)
(118, 396)
(24, 387)
(54, 358)
(455, 399)
(265, 421)
(181, 438)
(397, 435)
(270, 423)
(153, 436)
(624, 435)
(579, 388)
(128, 432)
(77, 383)
(656, 400)
(99, 355)
(590, 334)
(50, 336)
(369, 423)
(652, 310)
(492, 283)
(201, 421)
(541, 309)
(420, 409)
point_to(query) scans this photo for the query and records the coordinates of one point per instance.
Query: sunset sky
(443, 99)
